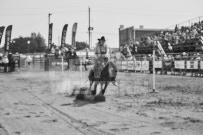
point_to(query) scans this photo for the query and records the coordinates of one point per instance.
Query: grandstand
(181, 39)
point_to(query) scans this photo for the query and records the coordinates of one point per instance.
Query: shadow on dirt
(79, 103)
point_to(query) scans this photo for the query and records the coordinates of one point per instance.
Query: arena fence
(173, 67)
(49, 63)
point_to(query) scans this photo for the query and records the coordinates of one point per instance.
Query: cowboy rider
(101, 48)
(101, 53)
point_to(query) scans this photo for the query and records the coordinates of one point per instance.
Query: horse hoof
(80, 97)
(99, 98)
(93, 92)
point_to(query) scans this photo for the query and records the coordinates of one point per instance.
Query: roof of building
(149, 29)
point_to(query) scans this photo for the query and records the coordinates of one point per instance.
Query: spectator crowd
(184, 35)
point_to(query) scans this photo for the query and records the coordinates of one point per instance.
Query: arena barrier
(23, 64)
(16, 59)
(173, 67)
(60, 64)
(132, 66)
(38, 62)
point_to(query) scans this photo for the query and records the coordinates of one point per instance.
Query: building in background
(130, 35)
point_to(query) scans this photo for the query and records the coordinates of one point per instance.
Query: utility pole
(154, 88)
(49, 18)
(89, 27)
(48, 27)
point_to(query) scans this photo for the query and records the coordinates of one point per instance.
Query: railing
(172, 67)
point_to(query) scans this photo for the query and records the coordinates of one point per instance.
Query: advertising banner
(145, 65)
(124, 65)
(81, 54)
(201, 64)
(130, 65)
(137, 65)
(192, 65)
(179, 64)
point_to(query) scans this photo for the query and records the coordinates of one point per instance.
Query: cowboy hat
(102, 38)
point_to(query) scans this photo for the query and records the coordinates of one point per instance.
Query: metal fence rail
(173, 67)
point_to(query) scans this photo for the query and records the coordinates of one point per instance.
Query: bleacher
(182, 39)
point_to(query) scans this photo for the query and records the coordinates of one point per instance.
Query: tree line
(36, 44)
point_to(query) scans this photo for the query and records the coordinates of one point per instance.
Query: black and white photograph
(101, 67)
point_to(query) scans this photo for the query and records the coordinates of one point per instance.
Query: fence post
(154, 68)
(62, 63)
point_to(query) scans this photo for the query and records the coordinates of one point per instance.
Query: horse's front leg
(105, 86)
(95, 88)
(91, 82)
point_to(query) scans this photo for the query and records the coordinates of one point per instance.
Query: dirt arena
(40, 103)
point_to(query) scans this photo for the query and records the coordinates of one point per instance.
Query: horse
(107, 74)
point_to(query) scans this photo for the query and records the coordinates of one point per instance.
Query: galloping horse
(102, 76)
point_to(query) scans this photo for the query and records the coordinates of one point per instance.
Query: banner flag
(74, 35)
(8, 38)
(63, 36)
(1, 33)
(50, 35)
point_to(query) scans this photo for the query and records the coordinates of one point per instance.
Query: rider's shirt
(100, 50)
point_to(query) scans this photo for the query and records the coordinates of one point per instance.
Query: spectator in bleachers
(184, 56)
(198, 57)
(184, 35)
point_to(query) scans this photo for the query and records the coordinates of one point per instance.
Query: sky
(29, 16)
